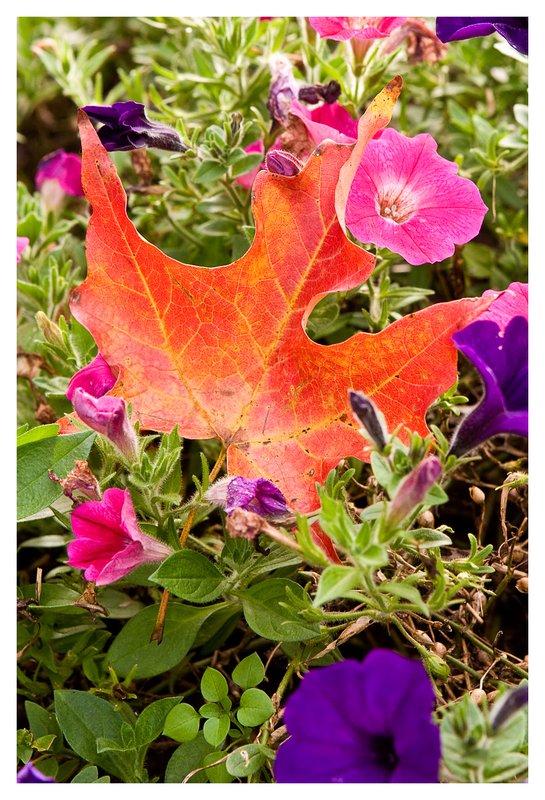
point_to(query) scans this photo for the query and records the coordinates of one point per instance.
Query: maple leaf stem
(158, 631)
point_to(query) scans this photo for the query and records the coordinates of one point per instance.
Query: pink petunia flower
(327, 121)
(59, 174)
(96, 379)
(108, 416)
(406, 197)
(109, 544)
(512, 303)
(22, 243)
(342, 28)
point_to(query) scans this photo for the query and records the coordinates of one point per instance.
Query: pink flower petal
(329, 121)
(96, 379)
(408, 198)
(342, 28)
(64, 168)
(512, 303)
(22, 243)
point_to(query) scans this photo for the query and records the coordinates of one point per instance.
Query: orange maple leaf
(223, 352)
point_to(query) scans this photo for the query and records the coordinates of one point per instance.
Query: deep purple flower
(283, 89)
(283, 163)
(126, 127)
(30, 774)
(513, 29)
(109, 544)
(108, 416)
(413, 489)
(62, 168)
(361, 723)
(502, 359)
(96, 379)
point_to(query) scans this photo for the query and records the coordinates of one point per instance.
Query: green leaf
(334, 582)
(85, 718)
(249, 672)
(152, 720)
(246, 760)
(217, 774)
(191, 576)
(35, 490)
(246, 164)
(213, 685)
(407, 592)
(269, 613)
(209, 710)
(132, 646)
(86, 775)
(35, 434)
(505, 768)
(255, 707)
(182, 723)
(41, 722)
(186, 758)
(209, 171)
(216, 729)
(428, 537)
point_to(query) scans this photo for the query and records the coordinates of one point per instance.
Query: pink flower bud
(413, 489)
(108, 416)
(96, 379)
(59, 174)
(109, 544)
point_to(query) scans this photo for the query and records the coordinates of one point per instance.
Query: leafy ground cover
(272, 400)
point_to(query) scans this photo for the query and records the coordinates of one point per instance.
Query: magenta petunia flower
(368, 722)
(108, 416)
(501, 356)
(513, 29)
(31, 774)
(328, 121)
(413, 489)
(96, 379)
(22, 244)
(343, 28)
(125, 126)
(512, 303)
(109, 544)
(406, 197)
(63, 168)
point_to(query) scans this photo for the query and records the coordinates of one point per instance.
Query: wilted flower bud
(522, 584)
(439, 649)
(79, 480)
(244, 524)
(413, 489)
(283, 89)
(282, 163)
(370, 417)
(328, 92)
(108, 416)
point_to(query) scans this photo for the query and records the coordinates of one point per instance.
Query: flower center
(384, 751)
(396, 207)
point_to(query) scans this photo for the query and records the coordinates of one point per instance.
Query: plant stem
(159, 629)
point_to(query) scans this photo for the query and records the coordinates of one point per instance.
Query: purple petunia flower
(513, 29)
(30, 774)
(109, 544)
(125, 126)
(260, 496)
(502, 359)
(367, 722)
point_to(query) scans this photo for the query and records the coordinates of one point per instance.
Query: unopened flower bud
(439, 649)
(477, 696)
(315, 93)
(282, 163)
(370, 417)
(95, 379)
(49, 329)
(508, 704)
(522, 584)
(477, 495)
(413, 489)
(244, 524)
(436, 666)
(108, 416)
(426, 519)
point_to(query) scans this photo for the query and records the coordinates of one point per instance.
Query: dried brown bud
(477, 495)
(491, 696)
(80, 480)
(477, 696)
(244, 524)
(426, 520)
(44, 414)
(440, 649)
(519, 554)
(29, 365)
(522, 584)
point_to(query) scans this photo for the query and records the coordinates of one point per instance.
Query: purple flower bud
(126, 127)
(413, 489)
(96, 379)
(108, 416)
(30, 774)
(282, 163)
(260, 496)
(370, 417)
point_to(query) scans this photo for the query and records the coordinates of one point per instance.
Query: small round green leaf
(217, 774)
(213, 685)
(245, 760)
(249, 672)
(216, 729)
(255, 707)
(182, 723)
